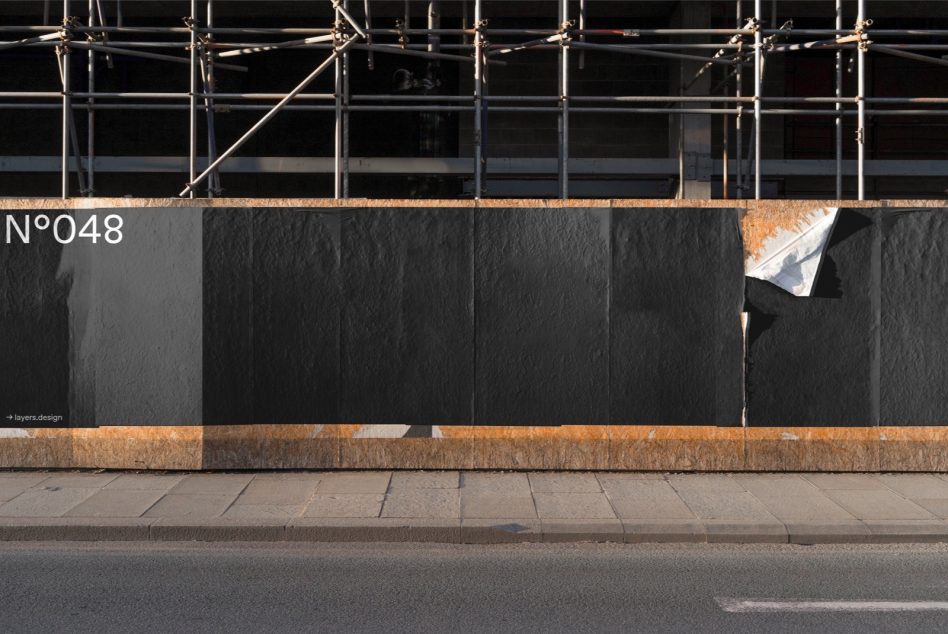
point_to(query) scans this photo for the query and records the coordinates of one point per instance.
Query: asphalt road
(435, 588)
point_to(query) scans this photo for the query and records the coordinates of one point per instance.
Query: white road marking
(821, 605)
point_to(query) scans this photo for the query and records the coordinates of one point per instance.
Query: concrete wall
(404, 319)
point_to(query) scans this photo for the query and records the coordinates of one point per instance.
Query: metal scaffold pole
(839, 105)
(861, 24)
(345, 117)
(758, 58)
(563, 156)
(192, 99)
(368, 34)
(337, 94)
(478, 101)
(67, 101)
(90, 116)
(207, 57)
(738, 119)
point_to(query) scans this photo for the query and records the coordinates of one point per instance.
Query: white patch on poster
(382, 431)
(791, 260)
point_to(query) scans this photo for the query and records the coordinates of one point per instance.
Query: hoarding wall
(406, 319)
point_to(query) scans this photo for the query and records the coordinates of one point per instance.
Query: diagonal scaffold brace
(270, 114)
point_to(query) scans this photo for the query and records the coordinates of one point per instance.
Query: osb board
(595, 447)
(27, 204)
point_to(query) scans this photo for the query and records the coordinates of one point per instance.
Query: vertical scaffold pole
(214, 181)
(192, 101)
(724, 151)
(368, 36)
(582, 38)
(738, 119)
(90, 116)
(478, 101)
(861, 102)
(67, 106)
(839, 105)
(337, 93)
(345, 117)
(563, 157)
(758, 53)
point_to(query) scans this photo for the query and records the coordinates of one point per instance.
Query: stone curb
(75, 529)
(817, 532)
(449, 531)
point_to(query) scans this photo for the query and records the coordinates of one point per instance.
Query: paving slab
(901, 531)
(608, 479)
(590, 506)
(8, 491)
(286, 492)
(212, 484)
(23, 478)
(45, 502)
(282, 476)
(145, 482)
(116, 503)
(197, 505)
(512, 484)
(916, 485)
(745, 532)
(500, 531)
(633, 508)
(564, 483)
(425, 480)
(491, 506)
(845, 481)
(816, 506)
(867, 504)
(646, 499)
(79, 480)
(938, 507)
(368, 482)
(564, 530)
(264, 511)
(425, 503)
(827, 532)
(345, 505)
(664, 531)
(712, 505)
(702, 483)
(638, 487)
(771, 486)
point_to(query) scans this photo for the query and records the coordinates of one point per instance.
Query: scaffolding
(742, 50)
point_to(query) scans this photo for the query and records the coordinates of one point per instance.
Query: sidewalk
(474, 507)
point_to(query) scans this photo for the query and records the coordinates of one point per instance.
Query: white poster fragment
(791, 259)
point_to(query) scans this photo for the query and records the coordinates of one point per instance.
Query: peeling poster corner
(790, 257)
